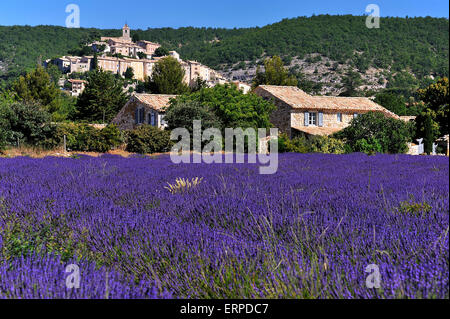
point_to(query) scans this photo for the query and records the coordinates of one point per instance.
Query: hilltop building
(300, 113)
(125, 45)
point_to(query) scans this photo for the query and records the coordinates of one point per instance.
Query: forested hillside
(418, 47)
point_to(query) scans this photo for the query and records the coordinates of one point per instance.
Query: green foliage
(167, 77)
(37, 87)
(102, 99)
(129, 73)
(85, 138)
(26, 123)
(232, 107)
(429, 134)
(392, 102)
(412, 208)
(147, 139)
(375, 128)
(350, 83)
(325, 144)
(436, 97)
(312, 144)
(370, 146)
(161, 51)
(274, 74)
(181, 114)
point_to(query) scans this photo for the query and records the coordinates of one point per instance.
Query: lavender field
(308, 231)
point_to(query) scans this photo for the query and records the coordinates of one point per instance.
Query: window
(355, 115)
(312, 119)
(339, 117)
(153, 122)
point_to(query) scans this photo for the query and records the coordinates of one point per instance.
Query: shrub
(325, 144)
(314, 144)
(26, 122)
(148, 139)
(85, 138)
(295, 145)
(370, 146)
(391, 134)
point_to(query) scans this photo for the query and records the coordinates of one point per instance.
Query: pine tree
(102, 99)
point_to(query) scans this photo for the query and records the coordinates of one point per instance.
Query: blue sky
(201, 13)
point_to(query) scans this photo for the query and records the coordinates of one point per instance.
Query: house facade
(143, 109)
(78, 86)
(299, 112)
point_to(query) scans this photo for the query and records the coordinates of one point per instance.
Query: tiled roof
(298, 99)
(155, 101)
(316, 130)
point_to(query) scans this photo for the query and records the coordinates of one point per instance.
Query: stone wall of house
(126, 119)
(330, 119)
(281, 117)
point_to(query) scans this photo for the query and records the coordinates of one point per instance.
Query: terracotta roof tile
(155, 101)
(298, 99)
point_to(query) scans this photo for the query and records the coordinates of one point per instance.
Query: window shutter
(320, 119)
(136, 116)
(142, 119)
(306, 118)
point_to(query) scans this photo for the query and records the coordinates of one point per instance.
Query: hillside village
(117, 55)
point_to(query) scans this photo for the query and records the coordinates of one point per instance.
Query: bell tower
(126, 32)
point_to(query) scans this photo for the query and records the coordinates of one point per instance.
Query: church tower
(126, 33)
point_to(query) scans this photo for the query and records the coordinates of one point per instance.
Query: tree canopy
(102, 99)
(274, 74)
(167, 77)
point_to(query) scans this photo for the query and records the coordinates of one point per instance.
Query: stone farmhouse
(143, 109)
(300, 113)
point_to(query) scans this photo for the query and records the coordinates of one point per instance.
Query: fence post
(65, 144)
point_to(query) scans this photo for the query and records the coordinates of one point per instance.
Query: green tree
(167, 77)
(275, 74)
(181, 114)
(350, 83)
(129, 73)
(161, 51)
(429, 134)
(232, 107)
(102, 99)
(136, 37)
(392, 102)
(375, 128)
(437, 100)
(37, 87)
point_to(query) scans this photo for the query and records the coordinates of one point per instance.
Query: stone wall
(329, 119)
(281, 117)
